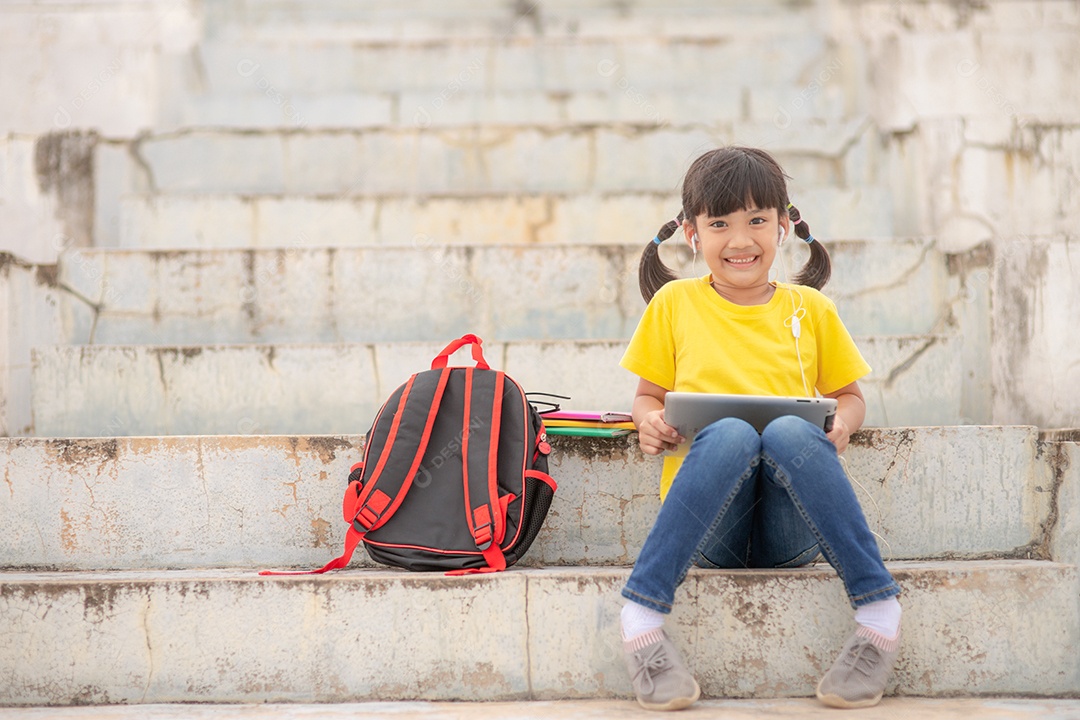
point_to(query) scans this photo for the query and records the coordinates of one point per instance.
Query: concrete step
(430, 20)
(250, 100)
(302, 294)
(172, 221)
(481, 160)
(891, 708)
(247, 98)
(94, 390)
(158, 55)
(501, 61)
(275, 501)
(183, 221)
(629, 71)
(430, 290)
(971, 628)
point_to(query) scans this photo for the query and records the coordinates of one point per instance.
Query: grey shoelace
(652, 663)
(866, 652)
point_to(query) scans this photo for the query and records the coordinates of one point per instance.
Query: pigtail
(653, 274)
(818, 268)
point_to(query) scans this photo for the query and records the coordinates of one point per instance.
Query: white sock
(638, 619)
(883, 617)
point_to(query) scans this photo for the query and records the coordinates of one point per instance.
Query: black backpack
(454, 475)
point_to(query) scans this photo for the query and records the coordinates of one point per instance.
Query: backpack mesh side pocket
(539, 495)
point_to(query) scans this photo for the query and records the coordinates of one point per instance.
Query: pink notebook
(596, 416)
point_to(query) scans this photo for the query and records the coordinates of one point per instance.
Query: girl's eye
(757, 220)
(718, 224)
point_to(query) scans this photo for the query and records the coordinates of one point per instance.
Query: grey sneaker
(660, 678)
(858, 677)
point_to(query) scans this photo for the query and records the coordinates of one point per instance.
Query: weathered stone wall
(950, 119)
(209, 125)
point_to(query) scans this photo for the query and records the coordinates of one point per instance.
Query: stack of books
(588, 424)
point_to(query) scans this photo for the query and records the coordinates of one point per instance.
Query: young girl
(740, 499)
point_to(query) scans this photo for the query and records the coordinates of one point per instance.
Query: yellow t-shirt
(692, 340)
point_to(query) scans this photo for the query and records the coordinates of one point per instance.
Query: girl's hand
(655, 436)
(850, 411)
(840, 434)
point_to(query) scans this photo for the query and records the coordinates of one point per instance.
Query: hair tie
(809, 238)
(657, 240)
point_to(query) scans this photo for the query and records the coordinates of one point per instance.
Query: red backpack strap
(481, 425)
(352, 539)
(406, 441)
(369, 505)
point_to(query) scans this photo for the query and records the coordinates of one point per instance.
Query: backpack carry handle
(442, 358)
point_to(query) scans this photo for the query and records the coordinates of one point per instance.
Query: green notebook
(588, 431)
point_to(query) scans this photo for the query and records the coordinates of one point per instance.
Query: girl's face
(739, 248)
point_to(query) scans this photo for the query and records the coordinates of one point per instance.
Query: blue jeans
(772, 500)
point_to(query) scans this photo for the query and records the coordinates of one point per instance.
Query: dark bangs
(733, 178)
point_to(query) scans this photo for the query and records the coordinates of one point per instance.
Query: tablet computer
(689, 412)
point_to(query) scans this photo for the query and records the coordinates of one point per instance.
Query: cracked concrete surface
(267, 303)
(101, 504)
(564, 621)
(907, 363)
(292, 388)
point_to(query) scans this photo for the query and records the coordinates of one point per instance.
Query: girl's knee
(730, 435)
(792, 441)
(784, 431)
(728, 445)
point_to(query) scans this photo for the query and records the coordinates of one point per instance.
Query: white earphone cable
(794, 323)
(877, 508)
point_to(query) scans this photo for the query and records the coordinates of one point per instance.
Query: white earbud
(694, 243)
(780, 240)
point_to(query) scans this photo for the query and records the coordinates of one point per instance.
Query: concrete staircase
(304, 202)
(111, 537)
